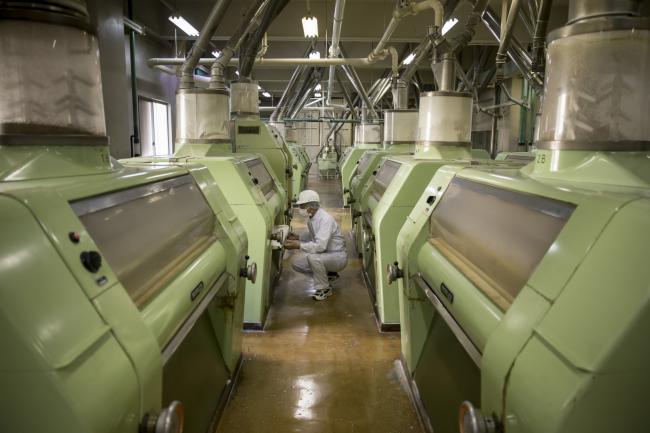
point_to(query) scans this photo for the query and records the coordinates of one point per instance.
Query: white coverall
(323, 247)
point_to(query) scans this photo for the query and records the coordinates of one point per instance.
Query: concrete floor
(321, 366)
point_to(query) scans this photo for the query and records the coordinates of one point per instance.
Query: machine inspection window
(155, 127)
(383, 179)
(260, 176)
(150, 233)
(496, 237)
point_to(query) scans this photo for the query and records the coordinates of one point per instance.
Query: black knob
(91, 260)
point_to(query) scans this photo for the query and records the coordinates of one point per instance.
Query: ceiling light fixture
(309, 24)
(266, 94)
(216, 53)
(448, 25)
(408, 59)
(314, 55)
(182, 24)
(318, 94)
(318, 87)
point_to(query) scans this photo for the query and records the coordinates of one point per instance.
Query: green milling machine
(248, 182)
(444, 132)
(367, 136)
(251, 135)
(525, 291)
(400, 131)
(300, 164)
(122, 292)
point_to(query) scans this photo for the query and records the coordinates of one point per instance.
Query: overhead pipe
(304, 81)
(380, 52)
(334, 50)
(310, 89)
(505, 38)
(201, 44)
(346, 94)
(289, 89)
(358, 86)
(250, 20)
(135, 138)
(539, 35)
(420, 53)
(516, 53)
(249, 52)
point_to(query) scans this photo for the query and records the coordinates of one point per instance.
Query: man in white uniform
(323, 245)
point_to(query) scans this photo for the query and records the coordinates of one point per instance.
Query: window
(154, 128)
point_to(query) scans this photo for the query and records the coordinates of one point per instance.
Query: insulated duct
(334, 47)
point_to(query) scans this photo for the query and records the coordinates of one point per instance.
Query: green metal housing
(257, 198)
(65, 317)
(527, 290)
(347, 166)
(251, 135)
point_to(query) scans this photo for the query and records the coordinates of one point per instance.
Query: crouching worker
(323, 245)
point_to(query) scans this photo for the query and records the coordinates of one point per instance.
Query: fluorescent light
(237, 72)
(314, 55)
(318, 94)
(310, 26)
(318, 87)
(448, 25)
(259, 87)
(216, 53)
(182, 24)
(408, 59)
(266, 94)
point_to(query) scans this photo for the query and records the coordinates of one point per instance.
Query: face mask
(303, 213)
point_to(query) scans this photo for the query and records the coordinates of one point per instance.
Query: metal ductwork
(249, 53)
(249, 21)
(334, 46)
(539, 34)
(506, 37)
(201, 44)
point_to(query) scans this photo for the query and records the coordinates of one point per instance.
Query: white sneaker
(323, 294)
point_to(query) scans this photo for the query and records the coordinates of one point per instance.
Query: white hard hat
(307, 196)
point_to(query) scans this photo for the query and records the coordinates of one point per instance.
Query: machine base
(253, 326)
(226, 394)
(383, 327)
(414, 396)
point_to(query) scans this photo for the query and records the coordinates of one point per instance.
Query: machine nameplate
(253, 130)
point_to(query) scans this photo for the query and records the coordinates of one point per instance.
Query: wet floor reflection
(321, 366)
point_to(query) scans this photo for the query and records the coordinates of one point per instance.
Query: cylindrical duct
(202, 116)
(367, 133)
(584, 9)
(400, 127)
(444, 117)
(400, 95)
(244, 98)
(597, 87)
(50, 78)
